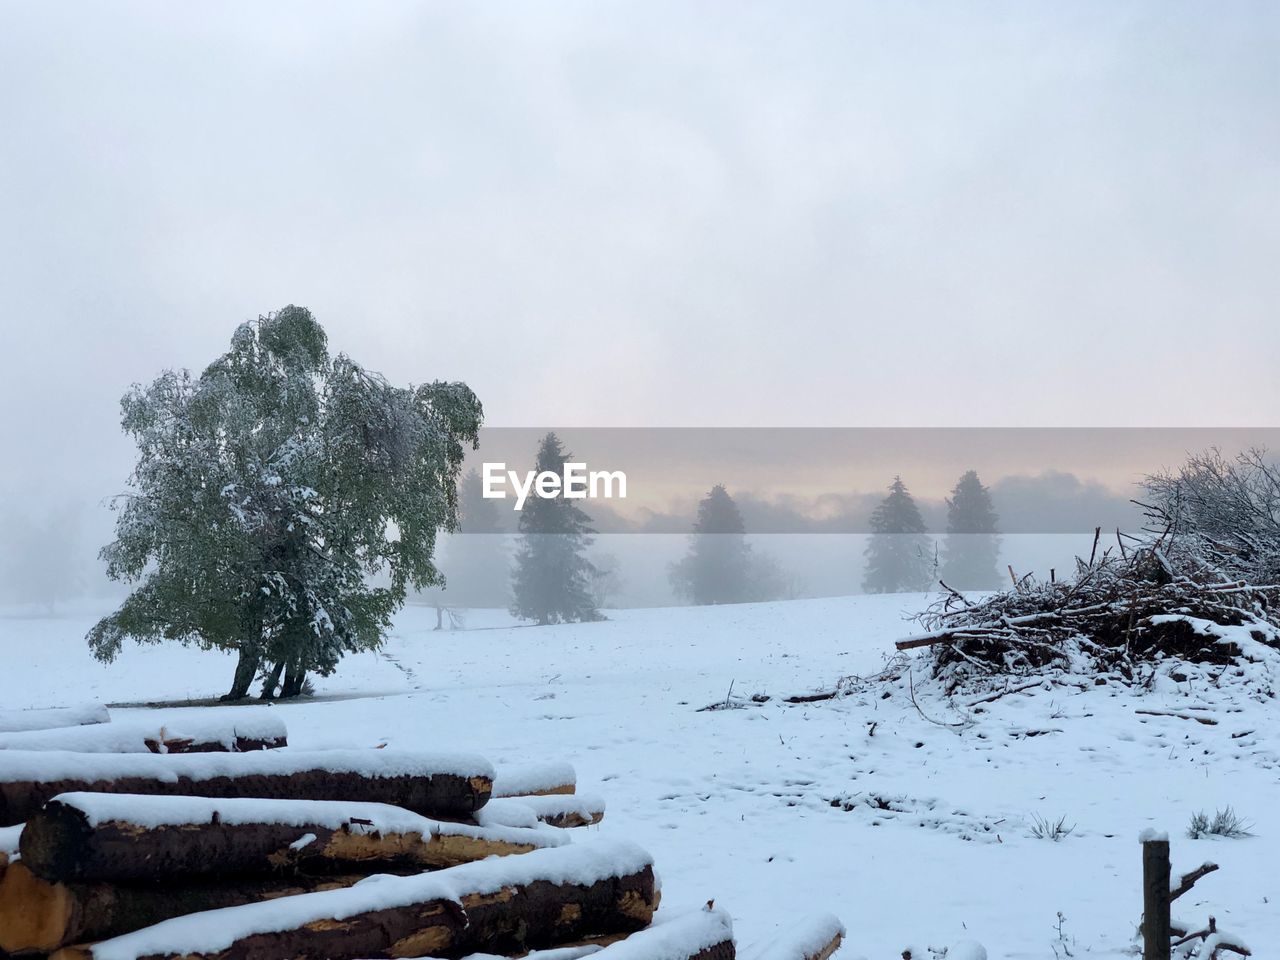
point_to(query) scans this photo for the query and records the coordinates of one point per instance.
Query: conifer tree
(971, 548)
(717, 568)
(897, 555)
(552, 579)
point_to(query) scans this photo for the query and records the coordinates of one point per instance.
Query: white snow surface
(130, 736)
(157, 811)
(910, 832)
(214, 930)
(46, 766)
(526, 778)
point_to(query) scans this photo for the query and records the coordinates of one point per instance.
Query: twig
(1189, 879)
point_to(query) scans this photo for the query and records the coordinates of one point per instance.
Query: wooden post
(1156, 935)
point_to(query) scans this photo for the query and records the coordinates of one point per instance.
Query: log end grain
(35, 916)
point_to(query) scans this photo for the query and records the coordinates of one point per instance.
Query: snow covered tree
(971, 548)
(898, 553)
(721, 566)
(283, 503)
(1221, 515)
(552, 580)
(717, 567)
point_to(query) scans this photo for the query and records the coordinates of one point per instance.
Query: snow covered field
(915, 834)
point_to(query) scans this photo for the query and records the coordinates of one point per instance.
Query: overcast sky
(647, 214)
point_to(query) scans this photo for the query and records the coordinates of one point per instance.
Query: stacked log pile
(336, 854)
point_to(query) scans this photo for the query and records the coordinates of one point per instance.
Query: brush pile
(1202, 587)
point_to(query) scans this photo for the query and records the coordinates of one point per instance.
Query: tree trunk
(271, 681)
(246, 670)
(404, 779)
(38, 917)
(61, 843)
(484, 907)
(294, 676)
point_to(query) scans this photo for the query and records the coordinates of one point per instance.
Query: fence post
(1155, 899)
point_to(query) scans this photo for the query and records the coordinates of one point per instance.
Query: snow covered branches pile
(1202, 587)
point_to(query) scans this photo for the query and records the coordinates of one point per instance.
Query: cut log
(234, 730)
(14, 721)
(813, 938)
(535, 780)
(702, 935)
(93, 836)
(558, 810)
(39, 917)
(706, 934)
(506, 905)
(429, 784)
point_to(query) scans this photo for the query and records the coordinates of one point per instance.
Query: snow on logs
(705, 934)
(8, 845)
(558, 810)
(15, 721)
(91, 836)
(813, 938)
(230, 732)
(443, 785)
(503, 905)
(535, 780)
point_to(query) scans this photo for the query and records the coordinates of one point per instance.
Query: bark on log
(38, 917)
(87, 837)
(504, 906)
(14, 721)
(423, 783)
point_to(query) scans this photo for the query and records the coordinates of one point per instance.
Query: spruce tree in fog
(971, 548)
(898, 556)
(283, 503)
(552, 579)
(717, 568)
